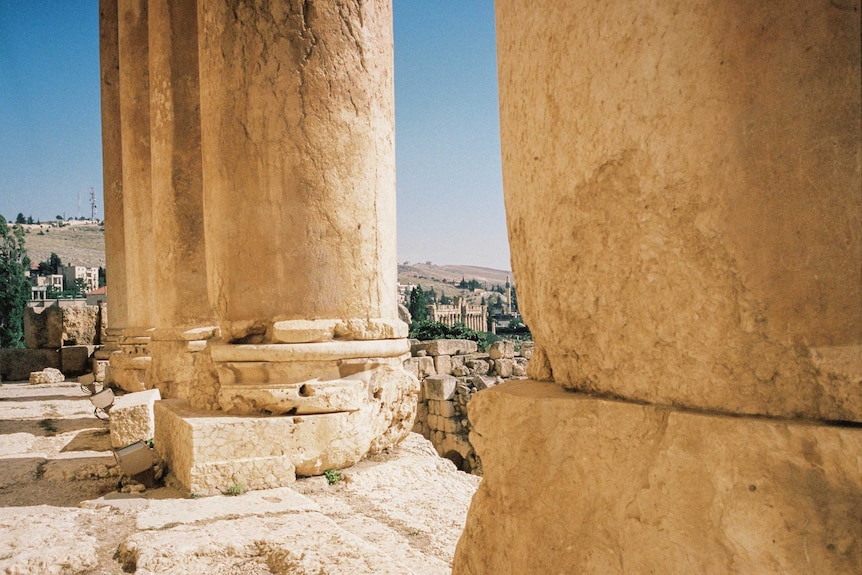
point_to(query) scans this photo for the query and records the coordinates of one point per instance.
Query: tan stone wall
(298, 159)
(682, 192)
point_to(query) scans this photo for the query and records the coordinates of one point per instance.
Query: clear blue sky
(450, 202)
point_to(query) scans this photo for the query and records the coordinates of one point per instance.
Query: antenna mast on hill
(92, 204)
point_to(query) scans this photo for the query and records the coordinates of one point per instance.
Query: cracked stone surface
(397, 512)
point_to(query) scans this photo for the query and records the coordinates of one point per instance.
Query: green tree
(418, 303)
(14, 285)
(80, 288)
(103, 277)
(20, 219)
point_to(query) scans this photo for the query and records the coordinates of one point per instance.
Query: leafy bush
(428, 330)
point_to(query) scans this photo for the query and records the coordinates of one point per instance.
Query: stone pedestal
(130, 363)
(602, 486)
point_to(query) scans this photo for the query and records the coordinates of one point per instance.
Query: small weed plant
(332, 476)
(236, 489)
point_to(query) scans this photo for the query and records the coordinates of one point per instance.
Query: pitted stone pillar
(682, 192)
(112, 171)
(296, 108)
(129, 366)
(181, 365)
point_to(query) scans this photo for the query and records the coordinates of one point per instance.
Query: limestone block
(501, 349)
(426, 367)
(81, 325)
(439, 387)
(132, 417)
(443, 364)
(43, 330)
(519, 368)
(47, 375)
(447, 347)
(411, 366)
(17, 364)
(299, 399)
(527, 349)
(460, 370)
(503, 367)
(481, 382)
(444, 408)
(646, 489)
(478, 366)
(75, 359)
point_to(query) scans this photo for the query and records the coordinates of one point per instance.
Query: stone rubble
(47, 375)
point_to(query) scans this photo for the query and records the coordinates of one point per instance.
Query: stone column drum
(130, 364)
(682, 188)
(112, 174)
(184, 320)
(296, 108)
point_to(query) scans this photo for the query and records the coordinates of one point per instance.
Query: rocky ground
(61, 512)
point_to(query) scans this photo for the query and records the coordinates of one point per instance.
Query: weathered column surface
(682, 191)
(129, 366)
(112, 176)
(296, 109)
(184, 320)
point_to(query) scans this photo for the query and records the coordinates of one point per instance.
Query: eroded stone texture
(616, 487)
(298, 152)
(47, 375)
(132, 418)
(682, 194)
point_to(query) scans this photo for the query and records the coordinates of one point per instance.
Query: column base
(577, 484)
(129, 364)
(182, 366)
(208, 452)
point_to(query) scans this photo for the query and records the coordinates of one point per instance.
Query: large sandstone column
(296, 111)
(184, 320)
(129, 367)
(112, 174)
(682, 190)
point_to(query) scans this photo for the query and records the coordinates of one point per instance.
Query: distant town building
(404, 293)
(97, 296)
(89, 275)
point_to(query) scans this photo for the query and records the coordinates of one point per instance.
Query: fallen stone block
(443, 364)
(132, 417)
(47, 375)
(502, 349)
(439, 387)
(447, 347)
(484, 381)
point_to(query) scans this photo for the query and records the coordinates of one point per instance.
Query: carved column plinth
(182, 365)
(130, 363)
(315, 405)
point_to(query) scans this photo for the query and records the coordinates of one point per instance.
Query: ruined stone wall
(451, 373)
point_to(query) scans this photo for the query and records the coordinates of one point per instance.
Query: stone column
(184, 319)
(130, 366)
(297, 114)
(682, 191)
(112, 174)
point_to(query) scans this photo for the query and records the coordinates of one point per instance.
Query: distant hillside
(83, 243)
(444, 279)
(77, 243)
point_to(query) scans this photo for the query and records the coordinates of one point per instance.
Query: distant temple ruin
(474, 316)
